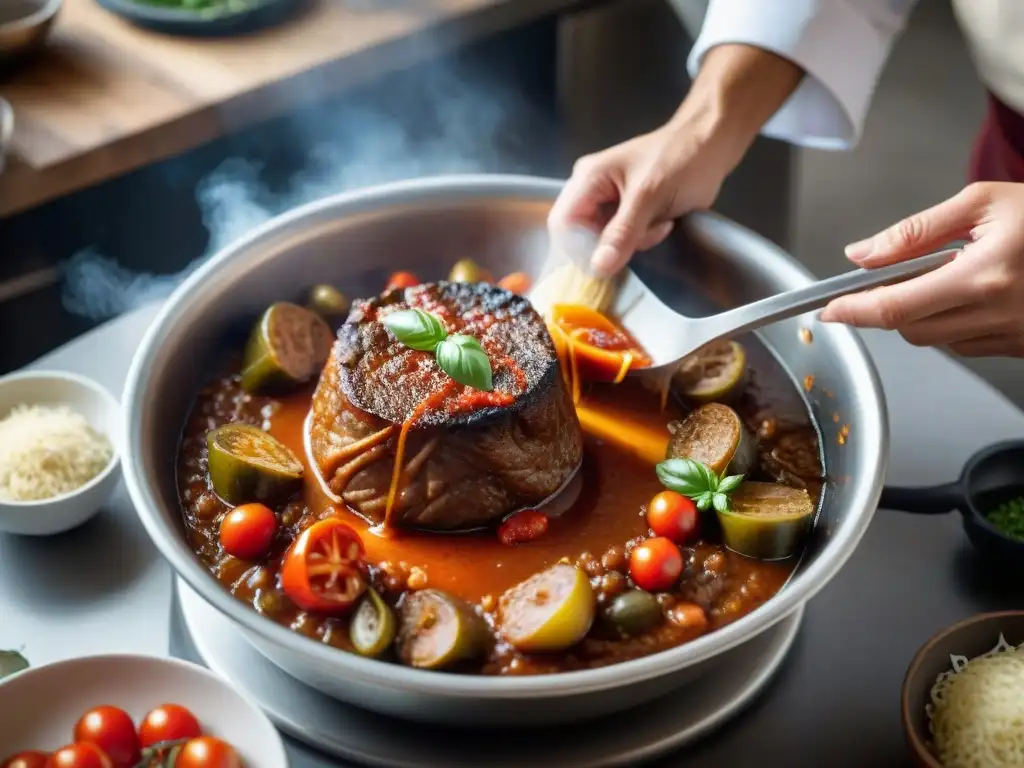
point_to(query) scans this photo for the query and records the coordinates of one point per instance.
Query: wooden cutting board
(108, 97)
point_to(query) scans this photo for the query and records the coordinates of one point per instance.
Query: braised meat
(470, 457)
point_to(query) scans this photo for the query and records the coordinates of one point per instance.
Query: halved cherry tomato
(207, 752)
(402, 280)
(522, 527)
(673, 516)
(84, 755)
(603, 350)
(247, 531)
(517, 282)
(170, 722)
(321, 569)
(112, 730)
(656, 564)
(28, 759)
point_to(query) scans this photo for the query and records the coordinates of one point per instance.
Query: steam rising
(461, 127)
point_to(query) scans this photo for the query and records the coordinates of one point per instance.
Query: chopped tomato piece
(518, 283)
(402, 280)
(322, 568)
(522, 527)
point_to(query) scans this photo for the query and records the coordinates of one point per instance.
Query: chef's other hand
(975, 304)
(630, 194)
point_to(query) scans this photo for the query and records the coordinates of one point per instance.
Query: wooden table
(107, 97)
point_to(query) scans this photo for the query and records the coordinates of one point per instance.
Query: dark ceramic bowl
(177, 21)
(971, 638)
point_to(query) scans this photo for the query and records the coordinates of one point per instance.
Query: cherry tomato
(321, 569)
(402, 280)
(207, 752)
(84, 755)
(673, 516)
(29, 759)
(656, 564)
(522, 527)
(170, 722)
(517, 282)
(112, 730)
(247, 531)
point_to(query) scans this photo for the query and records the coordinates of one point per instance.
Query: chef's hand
(631, 193)
(975, 304)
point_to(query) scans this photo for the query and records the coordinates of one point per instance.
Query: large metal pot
(354, 240)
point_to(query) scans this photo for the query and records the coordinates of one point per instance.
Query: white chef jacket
(843, 45)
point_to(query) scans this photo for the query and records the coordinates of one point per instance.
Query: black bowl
(177, 21)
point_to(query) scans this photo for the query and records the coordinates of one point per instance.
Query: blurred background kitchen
(99, 216)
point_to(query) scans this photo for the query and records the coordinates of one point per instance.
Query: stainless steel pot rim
(456, 188)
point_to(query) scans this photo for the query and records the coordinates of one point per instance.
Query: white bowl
(41, 705)
(102, 411)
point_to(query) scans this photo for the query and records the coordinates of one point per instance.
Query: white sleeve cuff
(839, 46)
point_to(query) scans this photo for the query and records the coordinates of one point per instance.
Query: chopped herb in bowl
(1008, 517)
(205, 6)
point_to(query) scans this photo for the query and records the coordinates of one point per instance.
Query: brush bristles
(567, 283)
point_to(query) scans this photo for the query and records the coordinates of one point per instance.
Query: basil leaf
(730, 484)
(704, 502)
(12, 662)
(416, 329)
(462, 358)
(682, 476)
(721, 502)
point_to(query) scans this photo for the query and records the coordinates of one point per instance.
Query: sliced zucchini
(437, 630)
(716, 436)
(246, 464)
(767, 521)
(373, 626)
(713, 373)
(550, 611)
(287, 347)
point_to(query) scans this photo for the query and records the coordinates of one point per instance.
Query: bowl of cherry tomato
(131, 712)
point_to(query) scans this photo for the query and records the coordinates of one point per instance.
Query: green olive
(373, 626)
(437, 630)
(246, 464)
(550, 611)
(712, 373)
(328, 301)
(466, 271)
(716, 436)
(287, 347)
(635, 612)
(767, 521)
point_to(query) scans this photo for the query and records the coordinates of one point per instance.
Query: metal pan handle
(929, 500)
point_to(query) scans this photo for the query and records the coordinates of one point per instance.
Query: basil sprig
(460, 356)
(698, 482)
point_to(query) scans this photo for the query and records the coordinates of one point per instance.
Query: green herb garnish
(460, 356)
(1009, 518)
(698, 482)
(12, 662)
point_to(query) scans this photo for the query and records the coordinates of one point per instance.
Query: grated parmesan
(977, 712)
(46, 451)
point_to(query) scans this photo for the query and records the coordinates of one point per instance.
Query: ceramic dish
(35, 718)
(258, 14)
(102, 411)
(946, 651)
(355, 240)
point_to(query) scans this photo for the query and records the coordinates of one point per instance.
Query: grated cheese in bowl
(47, 451)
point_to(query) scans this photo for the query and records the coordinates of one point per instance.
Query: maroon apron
(998, 153)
